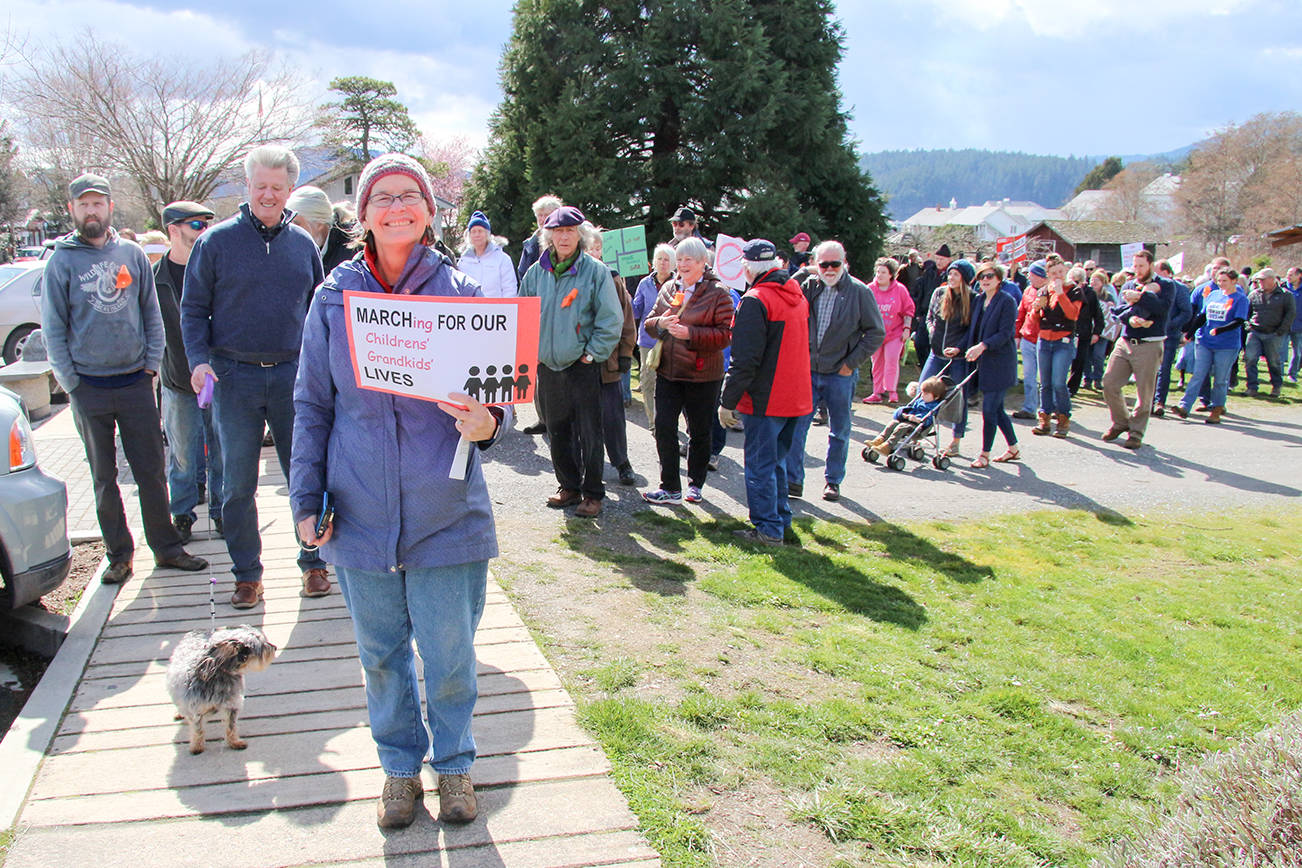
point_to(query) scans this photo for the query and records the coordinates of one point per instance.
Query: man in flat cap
(579, 327)
(190, 437)
(769, 385)
(104, 334)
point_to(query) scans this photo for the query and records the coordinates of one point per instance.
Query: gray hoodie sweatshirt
(99, 310)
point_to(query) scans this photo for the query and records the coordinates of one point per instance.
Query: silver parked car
(34, 551)
(20, 305)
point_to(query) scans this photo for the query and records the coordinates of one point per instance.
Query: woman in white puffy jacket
(484, 260)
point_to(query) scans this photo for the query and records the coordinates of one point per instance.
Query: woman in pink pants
(897, 314)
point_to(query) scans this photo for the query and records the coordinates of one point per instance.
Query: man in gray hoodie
(104, 334)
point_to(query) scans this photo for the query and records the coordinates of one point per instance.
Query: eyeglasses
(831, 264)
(989, 274)
(384, 200)
(196, 225)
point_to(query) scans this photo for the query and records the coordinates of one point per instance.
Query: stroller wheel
(895, 462)
(871, 455)
(916, 452)
(940, 462)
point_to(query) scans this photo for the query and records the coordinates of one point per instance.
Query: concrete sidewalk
(118, 785)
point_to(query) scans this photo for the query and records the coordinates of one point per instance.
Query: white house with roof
(1158, 196)
(995, 219)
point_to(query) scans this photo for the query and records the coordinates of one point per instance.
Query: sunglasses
(196, 225)
(988, 274)
(830, 264)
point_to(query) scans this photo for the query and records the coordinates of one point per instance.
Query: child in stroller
(920, 411)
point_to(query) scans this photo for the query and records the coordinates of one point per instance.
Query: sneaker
(397, 806)
(1023, 414)
(184, 525)
(316, 583)
(117, 573)
(750, 534)
(693, 494)
(831, 491)
(713, 463)
(183, 561)
(820, 418)
(457, 802)
(874, 398)
(660, 496)
(247, 595)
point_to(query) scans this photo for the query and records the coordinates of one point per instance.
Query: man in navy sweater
(247, 288)
(1139, 351)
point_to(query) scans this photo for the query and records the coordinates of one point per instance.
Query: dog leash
(212, 599)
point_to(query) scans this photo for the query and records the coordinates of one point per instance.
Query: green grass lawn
(1014, 691)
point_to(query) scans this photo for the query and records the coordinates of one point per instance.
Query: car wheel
(13, 350)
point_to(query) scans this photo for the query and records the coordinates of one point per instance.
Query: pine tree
(1099, 176)
(631, 108)
(367, 115)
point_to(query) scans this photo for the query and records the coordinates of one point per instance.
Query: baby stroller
(924, 440)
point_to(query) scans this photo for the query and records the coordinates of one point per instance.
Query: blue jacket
(383, 458)
(643, 300)
(993, 324)
(1296, 292)
(1181, 310)
(246, 291)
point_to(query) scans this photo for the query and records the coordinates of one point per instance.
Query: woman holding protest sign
(410, 543)
(692, 320)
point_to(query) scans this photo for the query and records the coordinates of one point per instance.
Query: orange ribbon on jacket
(124, 278)
(569, 297)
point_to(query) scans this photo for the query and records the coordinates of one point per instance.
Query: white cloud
(1080, 18)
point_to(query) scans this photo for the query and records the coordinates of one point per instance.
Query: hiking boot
(183, 561)
(316, 583)
(661, 497)
(457, 802)
(589, 508)
(1063, 426)
(626, 476)
(1041, 423)
(1113, 432)
(1159, 410)
(247, 595)
(693, 494)
(1180, 411)
(397, 806)
(564, 497)
(750, 534)
(795, 489)
(1214, 417)
(184, 525)
(1275, 391)
(820, 418)
(1134, 441)
(117, 573)
(831, 491)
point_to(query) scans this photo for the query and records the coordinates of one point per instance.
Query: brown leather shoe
(397, 805)
(1214, 417)
(1041, 423)
(1113, 433)
(457, 800)
(1063, 424)
(564, 497)
(1134, 441)
(590, 508)
(316, 583)
(247, 595)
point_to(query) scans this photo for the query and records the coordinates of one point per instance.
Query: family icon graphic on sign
(491, 388)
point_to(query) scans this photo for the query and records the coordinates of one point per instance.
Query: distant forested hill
(921, 179)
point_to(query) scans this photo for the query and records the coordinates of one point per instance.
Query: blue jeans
(1213, 363)
(957, 371)
(1097, 362)
(837, 393)
(1053, 364)
(995, 418)
(1030, 383)
(1169, 351)
(246, 397)
(768, 440)
(188, 430)
(1257, 346)
(440, 608)
(1294, 340)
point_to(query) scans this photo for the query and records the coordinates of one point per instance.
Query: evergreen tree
(367, 115)
(630, 108)
(1098, 177)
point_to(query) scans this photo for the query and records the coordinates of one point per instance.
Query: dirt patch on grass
(752, 826)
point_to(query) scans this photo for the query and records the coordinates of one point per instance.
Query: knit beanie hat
(311, 203)
(1040, 268)
(965, 268)
(390, 164)
(478, 219)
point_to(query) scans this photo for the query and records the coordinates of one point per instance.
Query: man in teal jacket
(579, 328)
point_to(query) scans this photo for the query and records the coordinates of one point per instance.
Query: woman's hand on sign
(474, 422)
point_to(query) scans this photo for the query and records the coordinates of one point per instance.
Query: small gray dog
(206, 674)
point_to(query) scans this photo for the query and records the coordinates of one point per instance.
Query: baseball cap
(88, 183)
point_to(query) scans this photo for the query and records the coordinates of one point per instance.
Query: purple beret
(566, 215)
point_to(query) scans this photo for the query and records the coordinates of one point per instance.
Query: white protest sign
(1128, 252)
(427, 347)
(728, 262)
(1176, 262)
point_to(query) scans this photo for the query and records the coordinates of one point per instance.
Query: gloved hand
(729, 418)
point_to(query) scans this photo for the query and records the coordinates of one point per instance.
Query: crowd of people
(250, 312)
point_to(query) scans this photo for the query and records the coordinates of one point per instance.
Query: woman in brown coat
(692, 318)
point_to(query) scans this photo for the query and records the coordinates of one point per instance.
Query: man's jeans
(1259, 345)
(1295, 341)
(1215, 364)
(1053, 366)
(768, 440)
(1030, 382)
(248, 396)
(836, 392)
(188, 429)
(1169, 351)
(440, 608)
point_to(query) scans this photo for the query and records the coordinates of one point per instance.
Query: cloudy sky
(1042, 76)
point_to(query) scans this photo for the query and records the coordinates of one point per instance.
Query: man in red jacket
(768, 383)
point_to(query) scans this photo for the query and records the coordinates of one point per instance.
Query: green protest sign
(624, 250)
